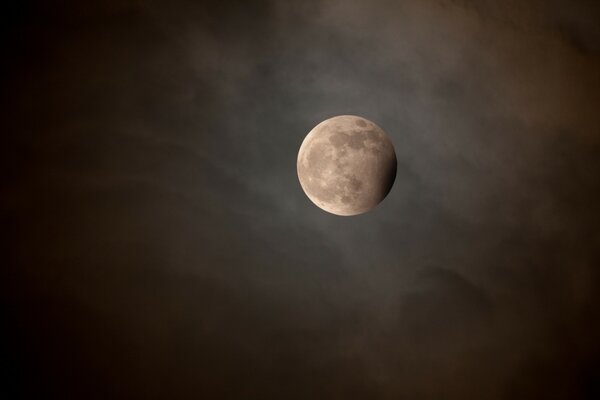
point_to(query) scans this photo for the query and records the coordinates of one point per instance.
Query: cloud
(161, 244)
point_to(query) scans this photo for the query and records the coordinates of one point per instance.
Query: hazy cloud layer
(159, 244)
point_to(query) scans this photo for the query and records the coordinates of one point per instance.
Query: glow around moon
(346, 165)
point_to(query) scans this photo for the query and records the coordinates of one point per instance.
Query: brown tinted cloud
(158, 243)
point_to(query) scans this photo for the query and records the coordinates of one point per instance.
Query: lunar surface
(346, 165)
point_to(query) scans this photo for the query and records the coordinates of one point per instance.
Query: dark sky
(158, 244)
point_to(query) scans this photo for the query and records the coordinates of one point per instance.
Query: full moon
(346, 165)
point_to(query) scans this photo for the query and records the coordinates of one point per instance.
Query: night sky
(157, 243)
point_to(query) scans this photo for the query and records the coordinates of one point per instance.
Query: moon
(346, 165)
